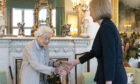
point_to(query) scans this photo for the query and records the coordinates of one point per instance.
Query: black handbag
(54, 79)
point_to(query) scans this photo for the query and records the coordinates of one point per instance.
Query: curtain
(59, 5)
(60, 15)
(21, 3)
(60, 19)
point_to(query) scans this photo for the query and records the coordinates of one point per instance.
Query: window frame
(23, 16)
(22, 20)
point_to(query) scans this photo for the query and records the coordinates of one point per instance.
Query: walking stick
(11, 74)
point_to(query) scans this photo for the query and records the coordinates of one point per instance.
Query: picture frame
(18, 63)
(72, 19)
(81, 67)
(115, 12)
(127, 11)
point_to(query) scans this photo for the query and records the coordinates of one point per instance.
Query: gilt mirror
(129, 15)
(126, 15)
(44, 16)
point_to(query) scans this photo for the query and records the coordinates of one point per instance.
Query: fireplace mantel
(59, 47)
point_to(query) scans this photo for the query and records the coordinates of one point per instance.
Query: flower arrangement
(130, 45)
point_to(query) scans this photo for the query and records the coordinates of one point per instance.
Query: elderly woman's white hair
(42, 30)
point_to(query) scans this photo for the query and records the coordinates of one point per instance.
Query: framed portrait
(81, 68)
(72, 19)
(18, 63)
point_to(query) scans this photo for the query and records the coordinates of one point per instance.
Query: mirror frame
(36, 15)
(115, 12)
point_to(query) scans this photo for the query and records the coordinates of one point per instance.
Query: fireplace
(18, 62)
(59, 48)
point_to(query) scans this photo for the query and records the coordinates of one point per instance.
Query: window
(26, 16)
(54, 19)
(22, 16)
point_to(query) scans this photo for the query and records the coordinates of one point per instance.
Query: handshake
(64, 70)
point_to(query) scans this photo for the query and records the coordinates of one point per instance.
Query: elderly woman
(36, 58)
(106, 47)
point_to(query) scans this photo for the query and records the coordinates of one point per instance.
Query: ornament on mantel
(2, 30)
(84, 27)
(21, 29)
(66, 30)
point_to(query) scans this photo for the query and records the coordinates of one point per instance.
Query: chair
(78, 73)
(3, 77)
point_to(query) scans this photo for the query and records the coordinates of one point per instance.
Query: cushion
(137, 76)
(130, 77)
(130, 70)
(3, 77)
(87, 78)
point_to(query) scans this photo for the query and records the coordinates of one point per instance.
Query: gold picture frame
(115, 12)
(42, 4)
(72, 18)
